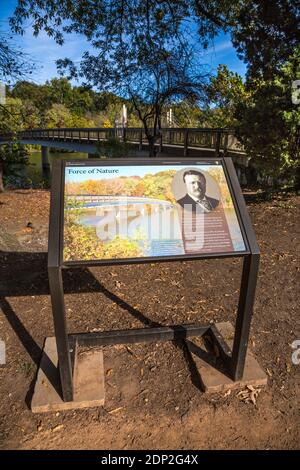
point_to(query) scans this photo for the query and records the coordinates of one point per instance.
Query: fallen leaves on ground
(249, 395)
(115, 410)
(58, 428)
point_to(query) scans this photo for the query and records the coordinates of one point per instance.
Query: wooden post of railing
(160, 142)
(186, 143)
(79, 135)
(141, 140)
(218, 142)
(124, 134)
(65, 135)
(98, 136)
(88, 136)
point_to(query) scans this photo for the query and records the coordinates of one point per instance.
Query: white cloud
(222, 46)
(45, 51)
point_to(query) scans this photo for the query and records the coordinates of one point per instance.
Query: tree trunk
(1, 176)
(152, 150)
(152, 139)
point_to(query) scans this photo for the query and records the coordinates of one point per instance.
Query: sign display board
(132, 210)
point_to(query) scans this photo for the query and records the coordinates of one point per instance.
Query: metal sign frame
(141, 162)
(233, 361)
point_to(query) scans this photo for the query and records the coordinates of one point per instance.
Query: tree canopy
(265, 34)
(269, 122)
(140, 49)
(145, 51)
(14, 63)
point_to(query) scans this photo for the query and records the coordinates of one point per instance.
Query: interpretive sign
(148, 210)
(116, 211)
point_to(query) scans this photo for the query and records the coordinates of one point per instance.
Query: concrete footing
(88, 381)
(212, 378)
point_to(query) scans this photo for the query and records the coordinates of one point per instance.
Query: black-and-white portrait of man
(196, 198)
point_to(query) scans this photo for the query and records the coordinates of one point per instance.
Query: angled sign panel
(135, 210)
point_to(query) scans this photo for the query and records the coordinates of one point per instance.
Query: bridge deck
(92, 148)
(178, 141)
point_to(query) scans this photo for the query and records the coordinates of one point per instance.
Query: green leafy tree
(87, 107)
(11, 116)
(225, 92)
(13, 157)
(60, 91)
(184, 114)
(135, 45)
(38, 95)
(149, 74)
(60, 116)
(139, 47)
(270, 123)
(78, 100)
(265, 34)
(81, 121)
(14, 116)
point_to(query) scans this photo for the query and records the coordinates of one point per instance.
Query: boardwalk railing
(193, 138)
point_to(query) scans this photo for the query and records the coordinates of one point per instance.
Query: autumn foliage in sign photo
(137, 196)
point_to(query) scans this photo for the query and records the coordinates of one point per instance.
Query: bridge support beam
(45, 158)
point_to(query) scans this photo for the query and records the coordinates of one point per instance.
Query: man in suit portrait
(196, 199)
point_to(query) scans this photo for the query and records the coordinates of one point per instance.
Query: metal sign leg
(244, 315)
(60, 327)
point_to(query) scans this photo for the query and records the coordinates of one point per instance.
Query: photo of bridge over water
(121, 216)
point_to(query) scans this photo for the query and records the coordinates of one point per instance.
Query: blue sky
(45, 51)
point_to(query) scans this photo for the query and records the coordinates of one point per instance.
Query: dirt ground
(152, 400)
